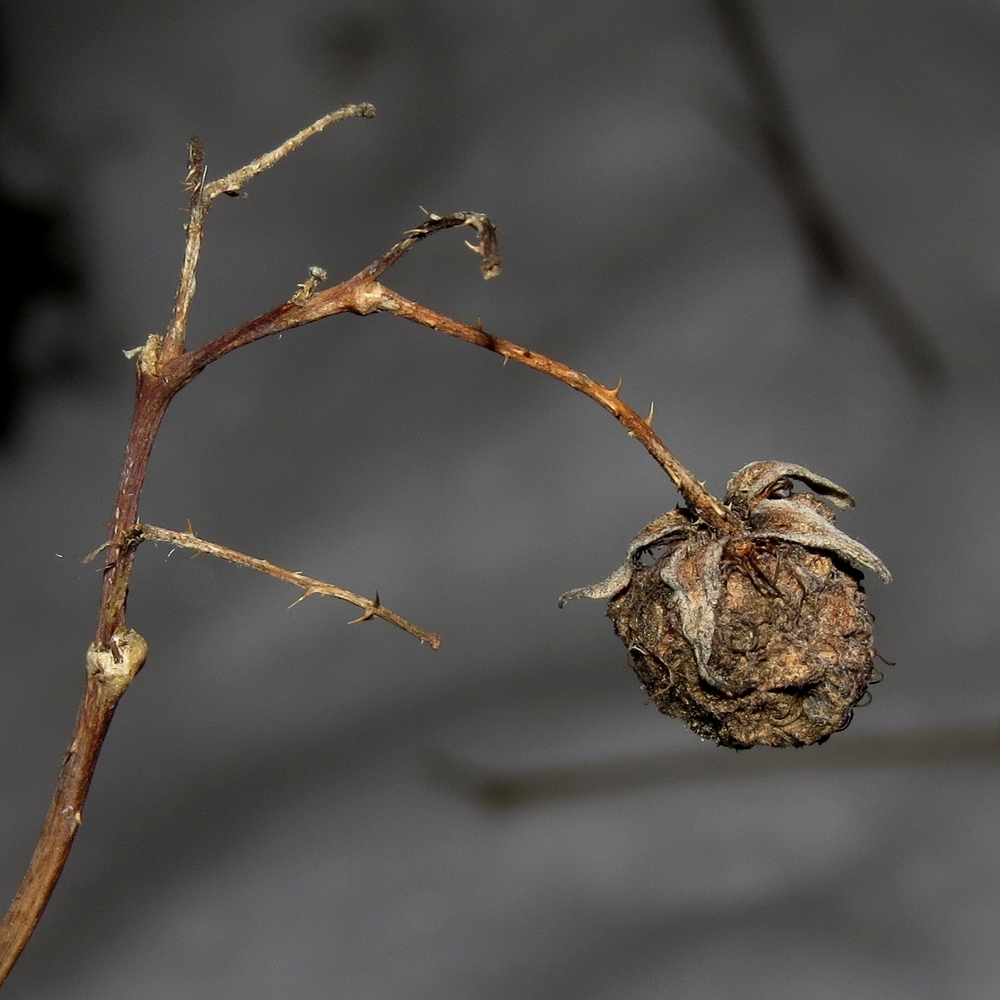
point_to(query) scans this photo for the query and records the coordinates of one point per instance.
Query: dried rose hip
(754, 636)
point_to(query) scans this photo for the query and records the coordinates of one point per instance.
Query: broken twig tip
(305, 289)
(195, 179)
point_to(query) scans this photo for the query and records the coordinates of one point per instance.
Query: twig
(163, 368)
(202, 196)
(233, 183)
(308, 585)
(364, 294)
(698, 498)
(118, 652)
(107, 680)
(486, 247)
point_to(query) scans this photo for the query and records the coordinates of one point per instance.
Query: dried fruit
(757, 635)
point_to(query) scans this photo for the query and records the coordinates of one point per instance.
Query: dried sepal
(674, 525)
(758, 635)
(761, 494)
(761, 479)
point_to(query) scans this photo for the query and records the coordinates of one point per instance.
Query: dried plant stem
(152, 399)
(61, 823)
(698, 498)
(117, 653)
(233, 183)
(163, 368)
(107, 681)
(309, 586)
(202, 196)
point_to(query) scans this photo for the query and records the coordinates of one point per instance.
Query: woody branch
(163, 367)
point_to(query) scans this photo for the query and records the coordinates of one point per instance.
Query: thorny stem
(697, 497)
(364, 294)
(486, 247)
(153, 396)
(309, 586)
(202, 196)
(107, 680)
(163, 368)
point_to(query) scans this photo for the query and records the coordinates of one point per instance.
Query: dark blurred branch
(516, 788)
(837, 259)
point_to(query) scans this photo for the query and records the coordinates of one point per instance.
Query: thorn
(649, 420)
(193, 534)
(617, 389)
(475, 248)
(93, 555)
(369, 613)
(133, 352)
(479, 324)
(306, 592)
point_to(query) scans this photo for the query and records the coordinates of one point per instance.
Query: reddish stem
(61, 823)
(153, 395)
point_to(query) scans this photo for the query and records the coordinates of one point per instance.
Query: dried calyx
(755, 635)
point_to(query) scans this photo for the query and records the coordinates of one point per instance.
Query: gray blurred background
(777, 219)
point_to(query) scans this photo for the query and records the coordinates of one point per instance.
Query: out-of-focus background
(777, 219)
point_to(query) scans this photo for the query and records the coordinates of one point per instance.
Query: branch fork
(163, 367)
